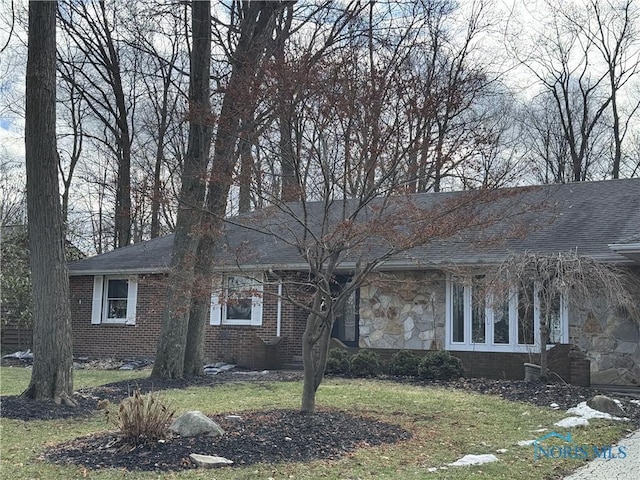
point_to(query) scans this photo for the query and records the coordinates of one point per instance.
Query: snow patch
(571, 422)
(525, 443)
(584, 411)
(474, 460)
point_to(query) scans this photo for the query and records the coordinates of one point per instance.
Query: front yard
(445, 424)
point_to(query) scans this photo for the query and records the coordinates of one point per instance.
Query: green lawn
(446, 425)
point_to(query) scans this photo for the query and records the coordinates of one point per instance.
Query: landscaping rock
(210, 461)
(602, 403)
(195, 423)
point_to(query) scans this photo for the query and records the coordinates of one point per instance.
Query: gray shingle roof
(586, 217)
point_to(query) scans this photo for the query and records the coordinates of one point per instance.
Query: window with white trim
(114, 299)
(238, 301)
(508, 321)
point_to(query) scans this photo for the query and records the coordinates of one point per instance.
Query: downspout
(279, 310)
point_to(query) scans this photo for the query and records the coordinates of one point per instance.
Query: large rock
(210, 461)
(195, 423)
(602, 403)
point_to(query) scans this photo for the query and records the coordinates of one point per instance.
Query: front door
(345, 327)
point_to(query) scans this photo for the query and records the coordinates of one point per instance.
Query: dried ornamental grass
(142, 418)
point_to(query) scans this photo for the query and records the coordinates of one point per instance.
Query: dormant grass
(446, 424)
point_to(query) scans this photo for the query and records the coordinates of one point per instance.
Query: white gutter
(279, 310)
(625, 247)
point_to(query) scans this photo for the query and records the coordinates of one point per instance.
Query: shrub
(141, 418)
(337, 362)
(440, 365)
(404, 363)
(365, 363)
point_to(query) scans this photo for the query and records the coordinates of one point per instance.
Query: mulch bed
(266, 436)
(272, 436)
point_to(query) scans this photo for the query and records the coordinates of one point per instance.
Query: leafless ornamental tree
(547, 281)
(52, 376)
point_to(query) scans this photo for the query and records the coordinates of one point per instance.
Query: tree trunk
(309, 387)
(544, 354)
(315, 347)
(170, 357)
(239, 102)
(200, 301)
(247, 139)
(52, 374)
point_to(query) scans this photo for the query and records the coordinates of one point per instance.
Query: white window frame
(218, 309)
(99, 302)
(489, 345)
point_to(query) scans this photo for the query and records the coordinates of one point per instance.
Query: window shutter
(215, 314)
(96, 306)
(132, 300)
(256, 304)
(256, 311)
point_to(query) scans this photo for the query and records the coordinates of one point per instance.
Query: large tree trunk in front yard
(170, 357)
(239, 102)
(52, 374)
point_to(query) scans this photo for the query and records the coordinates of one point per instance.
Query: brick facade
(260, 347)
(249, 346)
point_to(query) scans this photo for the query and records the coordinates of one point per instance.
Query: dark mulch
(270, 436)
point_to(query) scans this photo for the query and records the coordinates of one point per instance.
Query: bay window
(480, 320)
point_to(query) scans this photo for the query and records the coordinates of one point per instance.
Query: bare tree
(52, 375)
(170, 356)
(98, 63)
(255, 46)
(612, 28)
(585, 58)
(163, 55)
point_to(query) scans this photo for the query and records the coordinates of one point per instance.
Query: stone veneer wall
(405, 310)
(610, 340)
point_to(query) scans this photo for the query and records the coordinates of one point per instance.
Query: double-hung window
(238, 301)
(483, 320)
(114, 299)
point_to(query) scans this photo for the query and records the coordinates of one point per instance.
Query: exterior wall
(403, 311)
(259, 347)
(117, 340)
(406, 310)
(249, 346)
(610, 339)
